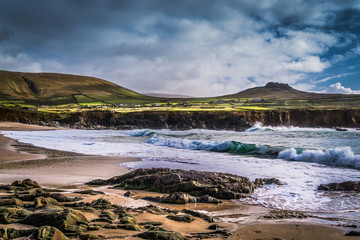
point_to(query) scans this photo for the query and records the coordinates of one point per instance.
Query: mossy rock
(49, 233)
(11, 202)
(128, 220)
(107, 214)
(10, 214)
(11, 233)
(101, 203)
(182, 218)
(132, 227)
(42, 202)
(68, 221)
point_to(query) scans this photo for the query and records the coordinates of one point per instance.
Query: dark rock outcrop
(238, 121)
(353, 233)
(344, 186)
(196, 183)
(284, 214)
(259, 182)
(90, 192)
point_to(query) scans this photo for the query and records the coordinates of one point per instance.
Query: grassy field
(50, 92)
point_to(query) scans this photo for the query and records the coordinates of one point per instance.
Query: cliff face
(188, 120)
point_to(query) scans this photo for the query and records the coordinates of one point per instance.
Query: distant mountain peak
(278, 85)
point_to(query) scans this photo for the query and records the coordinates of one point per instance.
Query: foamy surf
(301, 158)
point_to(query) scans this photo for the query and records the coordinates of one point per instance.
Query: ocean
(302, 158)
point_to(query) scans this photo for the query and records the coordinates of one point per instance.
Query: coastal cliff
(186, 120)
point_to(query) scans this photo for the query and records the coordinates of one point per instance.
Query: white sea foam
(340, 156)
(260, 127)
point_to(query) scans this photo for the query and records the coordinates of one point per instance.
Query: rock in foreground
(196, 183)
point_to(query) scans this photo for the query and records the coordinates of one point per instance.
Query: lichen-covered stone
(101, 203)
(182, 218)
(42, 202)
(49, 233)
(11, 202)
(68, 221)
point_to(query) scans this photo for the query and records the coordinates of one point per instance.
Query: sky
(188, 47)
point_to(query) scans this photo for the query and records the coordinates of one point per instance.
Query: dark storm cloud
(142, 43)
(5, 34)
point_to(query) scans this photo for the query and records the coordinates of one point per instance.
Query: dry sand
(55, 168)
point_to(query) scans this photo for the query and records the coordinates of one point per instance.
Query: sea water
(302, 158)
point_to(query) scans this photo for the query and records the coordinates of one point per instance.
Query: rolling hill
(281, 91)
(54, 88)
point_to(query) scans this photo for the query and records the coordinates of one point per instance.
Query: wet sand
(51, 167)
(70, 170)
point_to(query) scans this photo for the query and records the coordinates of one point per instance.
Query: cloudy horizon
(197, 48)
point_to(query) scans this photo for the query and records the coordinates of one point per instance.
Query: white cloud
(338, 88)
(308, 64)
(335, 76)
(219, 48)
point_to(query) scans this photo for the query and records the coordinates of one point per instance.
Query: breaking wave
(142, 133)
(340, 156)
(215, 146)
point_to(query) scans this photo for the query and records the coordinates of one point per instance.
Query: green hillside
(55, 89)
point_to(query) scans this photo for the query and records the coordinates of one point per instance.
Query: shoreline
(39, 164)
(51, 167)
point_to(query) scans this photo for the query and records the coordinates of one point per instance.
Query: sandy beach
(70, 171)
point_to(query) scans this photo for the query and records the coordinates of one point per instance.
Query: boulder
(178, 198)
(200, 215)
(11, 214)
(27, 183)
(285, 214)
(101, 203)
(132, 227)
(128, 220)
(62, 198)
(182, 218)
(108, 215)
(68, 221)
(195, 183)
(128, 194)
(11, 233)
(344, 186)
(90, 192)
(259, 182)
(353, 233)
(11, 202)
(208, 199)
(42, 202)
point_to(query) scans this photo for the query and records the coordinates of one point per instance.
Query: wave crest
(142, 133)
(340, 156)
